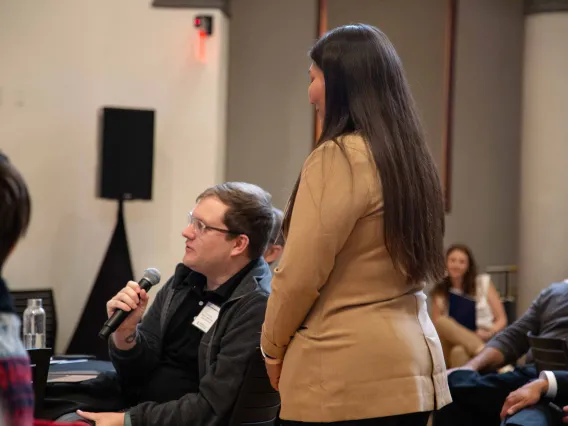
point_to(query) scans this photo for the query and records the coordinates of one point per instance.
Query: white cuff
(552, 384)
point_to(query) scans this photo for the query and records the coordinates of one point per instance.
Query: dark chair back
(510, 306)
(39, 359)
(549, 354)
(504, 278)
(258, 403)
(21, 297)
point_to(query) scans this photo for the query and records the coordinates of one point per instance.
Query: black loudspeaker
(127, 154)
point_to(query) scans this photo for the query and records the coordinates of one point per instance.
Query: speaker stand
(114, 273)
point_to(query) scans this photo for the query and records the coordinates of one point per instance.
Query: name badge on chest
(207, 317)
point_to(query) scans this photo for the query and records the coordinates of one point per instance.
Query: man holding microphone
(185, 360)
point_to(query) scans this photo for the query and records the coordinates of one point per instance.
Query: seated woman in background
(459, 343)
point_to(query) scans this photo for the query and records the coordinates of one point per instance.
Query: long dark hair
(443, 287)
(366, 91)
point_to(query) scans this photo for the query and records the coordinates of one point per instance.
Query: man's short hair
(277, 237)
(249, 213)
(15, 207)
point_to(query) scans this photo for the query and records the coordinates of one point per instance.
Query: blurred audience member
(460, 344)
(16, 392)
(276, 244)
(479, 399)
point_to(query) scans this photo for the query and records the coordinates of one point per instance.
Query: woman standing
(459, 343)
(347, 336)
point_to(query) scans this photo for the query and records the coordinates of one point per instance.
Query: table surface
(88, 367)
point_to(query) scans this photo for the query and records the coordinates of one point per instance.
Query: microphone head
(152, 275)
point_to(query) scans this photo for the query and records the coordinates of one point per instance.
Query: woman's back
(367, 347)
(346, 334)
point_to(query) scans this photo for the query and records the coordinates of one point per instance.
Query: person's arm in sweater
(512, 342)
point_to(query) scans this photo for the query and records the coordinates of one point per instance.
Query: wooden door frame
(321, 30)
(449, 87)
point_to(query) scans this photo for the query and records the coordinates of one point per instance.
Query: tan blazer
(356, 338)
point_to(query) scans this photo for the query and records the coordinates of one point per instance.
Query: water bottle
(34, 325)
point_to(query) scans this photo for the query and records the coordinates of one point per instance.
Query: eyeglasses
(200, 227)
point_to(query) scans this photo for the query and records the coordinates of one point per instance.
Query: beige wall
(544, 206)
(487, 122)
(270, 122)
(61, 61)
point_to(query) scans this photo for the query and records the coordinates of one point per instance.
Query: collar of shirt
(221, 294)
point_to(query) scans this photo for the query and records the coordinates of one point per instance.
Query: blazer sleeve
(561, 387)
(333, 194)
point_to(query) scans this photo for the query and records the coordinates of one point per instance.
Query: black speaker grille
(127, 154)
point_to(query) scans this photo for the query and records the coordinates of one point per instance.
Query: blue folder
(462, 309)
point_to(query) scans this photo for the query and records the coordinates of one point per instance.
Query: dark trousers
(413, 419)
(537, 415)
(478, 399)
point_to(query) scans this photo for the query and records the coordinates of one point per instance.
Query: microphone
(151, 278)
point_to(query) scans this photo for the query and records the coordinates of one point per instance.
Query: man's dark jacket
(224, 352)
